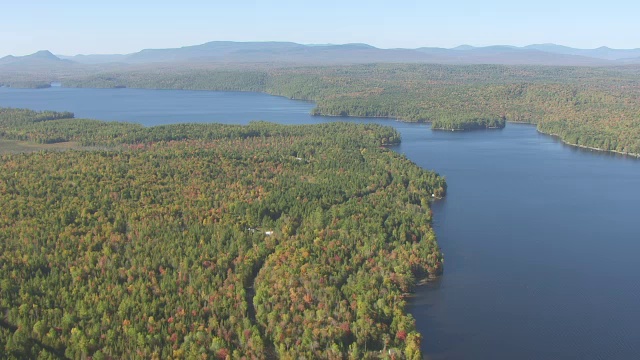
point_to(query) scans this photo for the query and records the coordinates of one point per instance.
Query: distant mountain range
(293, 53)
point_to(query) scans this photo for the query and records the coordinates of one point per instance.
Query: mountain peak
(38, 59)
(43, 54)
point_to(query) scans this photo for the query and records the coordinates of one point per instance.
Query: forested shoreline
(590, 107)
(211, 241)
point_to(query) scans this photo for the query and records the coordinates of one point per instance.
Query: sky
(70, 27)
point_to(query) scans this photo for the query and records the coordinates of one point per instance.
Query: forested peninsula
(210, 241)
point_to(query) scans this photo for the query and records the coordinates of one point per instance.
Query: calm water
(541, 240)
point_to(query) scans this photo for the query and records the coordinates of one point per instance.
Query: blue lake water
(541, 240)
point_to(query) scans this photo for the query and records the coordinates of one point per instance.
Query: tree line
(595, 107)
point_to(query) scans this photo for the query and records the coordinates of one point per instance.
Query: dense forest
(211, 241)
(592, 107)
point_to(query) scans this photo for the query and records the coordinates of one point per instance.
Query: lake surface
(541, 240)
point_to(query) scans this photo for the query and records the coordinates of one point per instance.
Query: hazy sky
(70, 27)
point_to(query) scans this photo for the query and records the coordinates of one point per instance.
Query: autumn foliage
(158, 248)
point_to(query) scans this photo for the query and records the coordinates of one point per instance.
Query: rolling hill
(293, 53)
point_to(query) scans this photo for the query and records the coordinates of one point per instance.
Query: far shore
(636, 155)
(589, 147)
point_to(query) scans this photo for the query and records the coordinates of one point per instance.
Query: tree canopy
(211, 241)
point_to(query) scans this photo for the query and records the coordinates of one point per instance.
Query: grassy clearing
(16, 146)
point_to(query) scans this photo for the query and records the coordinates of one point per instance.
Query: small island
(468, 123)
